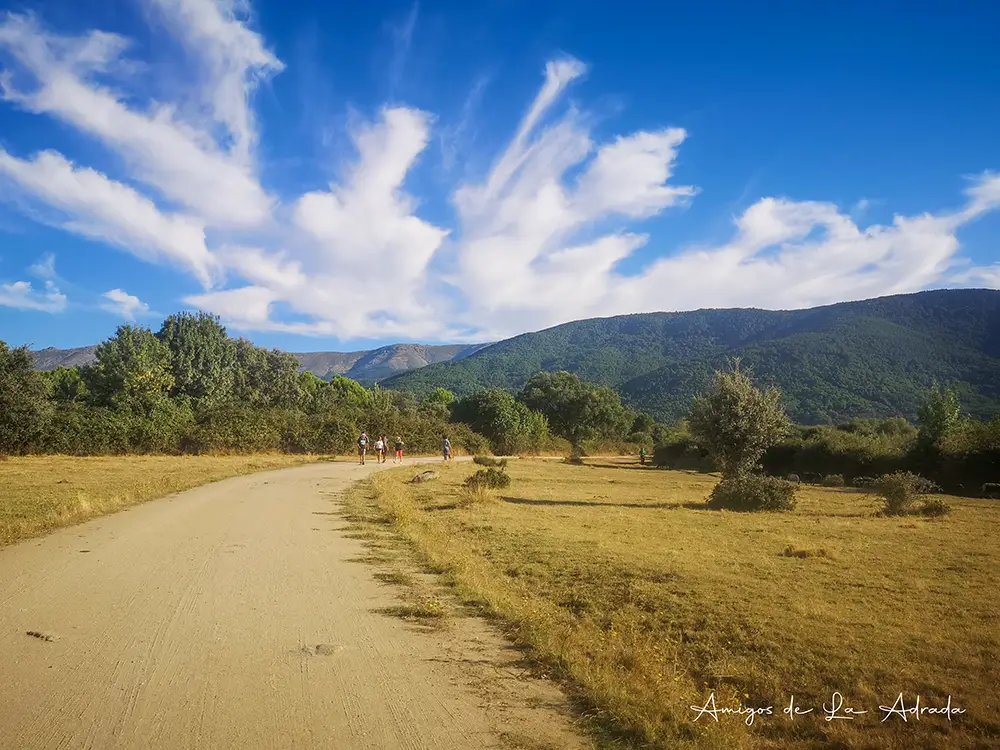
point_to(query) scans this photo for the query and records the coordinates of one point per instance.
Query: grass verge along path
(619, 581)
(40, 493)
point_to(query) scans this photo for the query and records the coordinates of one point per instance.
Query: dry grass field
(39, 493)
(620, 583)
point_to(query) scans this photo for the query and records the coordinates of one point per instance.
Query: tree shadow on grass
(589, 504)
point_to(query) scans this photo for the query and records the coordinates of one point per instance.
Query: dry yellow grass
(645, 603)
(39, 493)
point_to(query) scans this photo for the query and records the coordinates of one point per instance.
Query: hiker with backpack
(447, 448)
(362, 447)
(399, 450)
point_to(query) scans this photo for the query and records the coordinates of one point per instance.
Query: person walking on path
(399, 450)
(362, 447)
(642, 456)
(447, 448)
(379, 450)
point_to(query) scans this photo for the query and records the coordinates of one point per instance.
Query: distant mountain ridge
(367, 366)
(870, 358)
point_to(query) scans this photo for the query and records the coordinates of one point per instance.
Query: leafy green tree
(939, 413)
(380, 399)
(24, 406)
(132, 370)
(575, 410)
(265, 378)
(737, 422)
(642, 423)
(66, 385)
(202, 357)
(438, 403)
(509, 425)
(350, 393)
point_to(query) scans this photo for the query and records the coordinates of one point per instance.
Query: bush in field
(833, 480)
(901, 492)
(753, 492)
(491, 478)
(500, 463)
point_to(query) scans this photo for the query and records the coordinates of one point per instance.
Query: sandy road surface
(231, 616)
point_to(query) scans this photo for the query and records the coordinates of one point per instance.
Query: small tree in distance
(736, 423)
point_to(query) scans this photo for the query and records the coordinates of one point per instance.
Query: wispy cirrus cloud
(538, 238)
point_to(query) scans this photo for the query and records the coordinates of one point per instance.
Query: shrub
(752, 492)
(490, 461)
(901, 490)
(236, 429)
(833, 480)
(934, 506)
(476, 494)
(864, 481)
(491, 478)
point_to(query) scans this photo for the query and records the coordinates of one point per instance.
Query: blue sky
(334, 175)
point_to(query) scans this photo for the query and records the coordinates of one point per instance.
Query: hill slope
(365, 366)
(870, 358)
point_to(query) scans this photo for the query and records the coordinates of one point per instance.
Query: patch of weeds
(395, 577)
(804, 552)
(429, 609)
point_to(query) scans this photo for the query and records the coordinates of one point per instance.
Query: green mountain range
(873, 358)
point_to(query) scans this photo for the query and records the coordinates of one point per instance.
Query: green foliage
(24, 407)
(265, 378)
(491, 478)
(132, 371)
(510, 426)
(202, 357)
(643, 423)
(834, 480)
(901, 490)
(66, 385)
(350, 393)
(753, 492)
(736, 422)
(938, 415)
(235, 428)
(83, 430)
(575, 409)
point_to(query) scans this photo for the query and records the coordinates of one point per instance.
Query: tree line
(190, 387)
(744, 433)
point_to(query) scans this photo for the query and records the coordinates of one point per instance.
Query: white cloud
(182, 163)
(538, 240)
(235, 62)
(90, 204)
(22, 296)
(124, 305)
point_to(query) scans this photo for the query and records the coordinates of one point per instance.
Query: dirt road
(232, 616)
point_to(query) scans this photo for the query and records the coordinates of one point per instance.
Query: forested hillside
(858, 359)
